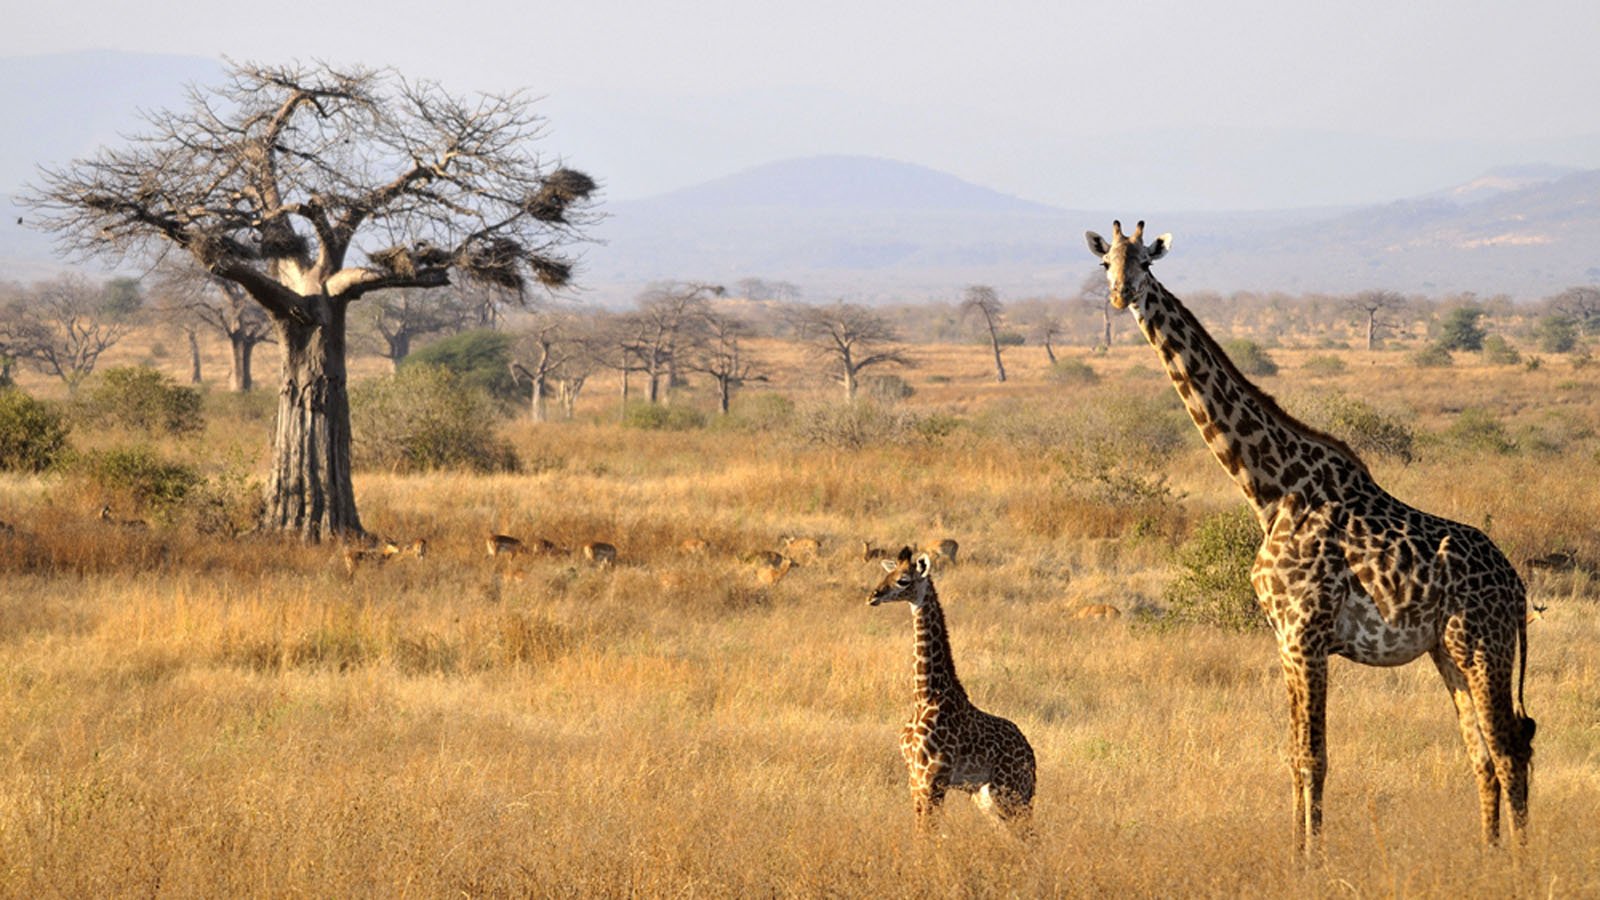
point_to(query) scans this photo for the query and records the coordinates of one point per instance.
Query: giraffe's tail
(1526, 725)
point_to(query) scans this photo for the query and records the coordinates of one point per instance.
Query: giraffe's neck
(935, 682)
(1267, 452)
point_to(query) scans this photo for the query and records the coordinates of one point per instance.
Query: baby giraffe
(950, 743)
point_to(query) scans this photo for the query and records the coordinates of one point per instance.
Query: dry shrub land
(193, 714)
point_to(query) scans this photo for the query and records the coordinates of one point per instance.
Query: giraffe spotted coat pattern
(949, 742)
(1344, 568)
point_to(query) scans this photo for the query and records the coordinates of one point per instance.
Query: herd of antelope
(768, 567)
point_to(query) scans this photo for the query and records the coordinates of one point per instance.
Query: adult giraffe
(1345, 568)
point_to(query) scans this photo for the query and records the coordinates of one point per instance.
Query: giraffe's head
(907, 580)
(1127, 260)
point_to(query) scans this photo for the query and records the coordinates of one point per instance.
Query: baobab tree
(982, 301)
(849, 339)
(718, 352)
(1379, 309)
(311, 187)
(196, 299)
(1094, 294)
(665, 312)
(400, 317)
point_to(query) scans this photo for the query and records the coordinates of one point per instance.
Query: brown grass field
(186, 715)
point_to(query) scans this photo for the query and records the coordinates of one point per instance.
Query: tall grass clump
(33, 436)
(423, 418)
(1072, 371)
(662, 417)
(1213, 586)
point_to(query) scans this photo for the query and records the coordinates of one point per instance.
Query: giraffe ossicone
(1344, 568)
(949, 743)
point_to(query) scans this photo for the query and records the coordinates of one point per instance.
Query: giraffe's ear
(924, 563)
(1097, 244)
(887, 565)
(1161, 246)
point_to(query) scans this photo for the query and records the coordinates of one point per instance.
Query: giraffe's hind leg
(1455, 681)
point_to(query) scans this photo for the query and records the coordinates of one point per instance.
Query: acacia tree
(982, 300)
(311, 187)
(1379, 308)
(849, 338)
(62, 326)
(1582, 305)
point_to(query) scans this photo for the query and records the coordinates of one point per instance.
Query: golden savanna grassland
(187, 714)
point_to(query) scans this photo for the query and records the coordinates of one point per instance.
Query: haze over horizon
(1162, 105)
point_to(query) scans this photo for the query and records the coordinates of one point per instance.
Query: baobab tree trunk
(537, 405)
(724, 392)
(309, 489)
(1105, 313)
(239, 379)
(1050, 351)
(194, 356)
(1372, 331)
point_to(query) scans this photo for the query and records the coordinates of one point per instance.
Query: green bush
(1498, 351)
(1433, 356)
(1460, 330)
(1556, 334)
(1213, 586)
(1325, 364)
(1072, 371)
(482, 359)
(32, 435)
(1250, 357)
(1364, 428)
(423, 418)
(661, 417)
(140, 474)
(140, 398)
(1478, 430)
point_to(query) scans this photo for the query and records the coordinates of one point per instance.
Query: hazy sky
(1035, 98)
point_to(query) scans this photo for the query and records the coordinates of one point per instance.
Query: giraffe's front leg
(1305, 676)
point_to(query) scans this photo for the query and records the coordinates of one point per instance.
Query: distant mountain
(870, 228)
(841, 184)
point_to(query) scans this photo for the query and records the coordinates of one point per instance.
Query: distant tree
(1459, 330)
(1095, 293)
(849, 339)
(194, 298)
(550, 343)
(1582, 305)
(719, 353)
(62, 326)
(124, 297)
(1557, 333)
(665, 311)
(982, 301)
(1378, 309)
(310, 188)
(401, 316)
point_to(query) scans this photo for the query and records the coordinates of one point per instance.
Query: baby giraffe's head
(907, 580)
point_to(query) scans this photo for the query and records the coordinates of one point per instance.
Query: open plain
(187, 713)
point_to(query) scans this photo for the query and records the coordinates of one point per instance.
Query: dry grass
(189, 716)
